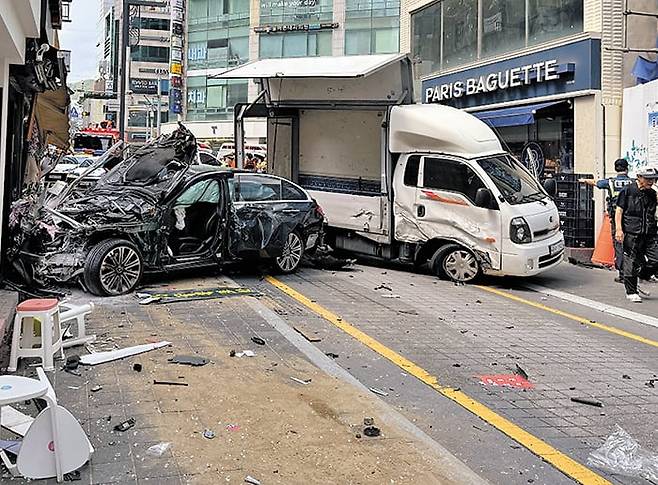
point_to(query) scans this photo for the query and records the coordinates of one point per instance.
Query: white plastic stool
(78, 313)
(54, 442)
(23, 341)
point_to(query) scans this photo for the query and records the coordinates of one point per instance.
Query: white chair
(24, 338)
(54, 443)
(78, 313)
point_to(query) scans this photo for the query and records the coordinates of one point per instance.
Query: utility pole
(158, 131)
(125, 26)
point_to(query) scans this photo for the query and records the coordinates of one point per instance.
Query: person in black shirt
(635, 219)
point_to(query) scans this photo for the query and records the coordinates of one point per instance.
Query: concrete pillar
(4, 82)
(338, 35)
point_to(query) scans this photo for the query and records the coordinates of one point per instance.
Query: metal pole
(159, 120)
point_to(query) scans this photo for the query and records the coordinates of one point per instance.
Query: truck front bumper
(531, 259)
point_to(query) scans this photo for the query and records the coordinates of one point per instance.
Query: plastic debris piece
(170, 383)
(209, 434)
(621, 454)
(73, 476)
(246, 353)
(372, 431)
(72, 362)
(378, 391)
(189, 360)
(332, 355)
(126, 425)
(519, 371)
(233, 427)
(96, 388)
(148, 300)
(384, 287)
(368, 421)
(306, 334)
(102, 357)
(252, 480)
(231, 353)
(258, 340)
(10, 446)
(589, 402)
(159, 449)
(137, 367)
(303, 382)
(390, 295)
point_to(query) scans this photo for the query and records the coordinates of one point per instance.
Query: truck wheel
(293, 251)
(113, 267)
(456, 263)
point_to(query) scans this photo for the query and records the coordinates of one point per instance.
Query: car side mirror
(483, 198)
(550, 186)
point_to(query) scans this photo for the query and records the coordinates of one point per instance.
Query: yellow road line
(548, 453)
(571, 316)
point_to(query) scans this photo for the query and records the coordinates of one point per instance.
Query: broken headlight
(519, 231)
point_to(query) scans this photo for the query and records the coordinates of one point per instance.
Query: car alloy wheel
(292, 253)
(460, 265)
(120, 270)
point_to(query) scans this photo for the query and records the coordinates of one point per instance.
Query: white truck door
(405, 185)
(445, 207)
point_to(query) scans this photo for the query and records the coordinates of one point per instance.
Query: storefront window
(460, 32)
(426, 40)
(213, 99)
(311, 44)
(550, 19)
(503, 26)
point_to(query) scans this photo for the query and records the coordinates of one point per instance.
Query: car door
(445, 206)
(267, 209)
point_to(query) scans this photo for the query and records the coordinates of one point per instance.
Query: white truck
(400, 181)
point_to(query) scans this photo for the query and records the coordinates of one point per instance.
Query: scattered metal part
(378, 391)
(125, 425)
(519, 371)
(209, 434)
(258, 340)
(189, 360)
(170, 383)
(371, 431)
(304, 382)
(251, 480)
(589, 402)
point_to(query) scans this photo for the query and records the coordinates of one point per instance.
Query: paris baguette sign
(539, 72)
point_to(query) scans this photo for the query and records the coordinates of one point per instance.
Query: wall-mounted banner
(638, 125)
(567, 68)
(177, 8)
(148, 86)
(273, 29)
(276, 4)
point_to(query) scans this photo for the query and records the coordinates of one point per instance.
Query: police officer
(635, 220)
(614, 185)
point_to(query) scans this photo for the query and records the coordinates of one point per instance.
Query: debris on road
(383, 287)
(626, 376)
(306, 334)
(159, 449)
(175, 296)
(589, 402)
(103, 357)
(208, 434)
(322, 258)
(125, 425)
(192, 360)
(650, 383)
(304, 382)
(251, 480)
(148, 300)
(378, 391)
(519, 371)
(258, 340)
(170, 383)
(96, 388)
(331, 354)
(73, 476)
(506, 380)
(390, 295)
(623, 455)
(408, 312)
(368, 421)
(137, 367)
(72, 362)
(246, 353)
(233, 427)
(371, 431)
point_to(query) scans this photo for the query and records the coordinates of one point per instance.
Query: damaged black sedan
(159, 211)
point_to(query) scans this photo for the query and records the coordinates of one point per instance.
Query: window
(204, 191)
(153, 24)
(460, 29)
(411, 171)
(149, 53)
(292, 192)
(503, 26)
(295, 45)
(258, 188)
(426, 40)
(357, 42)
(550, 19)
(452, 176)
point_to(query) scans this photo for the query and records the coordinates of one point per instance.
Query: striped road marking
(559, 460)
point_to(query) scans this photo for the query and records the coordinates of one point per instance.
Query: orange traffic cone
(604, 252)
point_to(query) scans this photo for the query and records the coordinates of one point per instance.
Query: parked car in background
(71, 167)
(158, 211)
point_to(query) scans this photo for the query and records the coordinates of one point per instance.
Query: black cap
(621, 165)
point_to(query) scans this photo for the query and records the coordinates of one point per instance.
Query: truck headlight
(519, 231)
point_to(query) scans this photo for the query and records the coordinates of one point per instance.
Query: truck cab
(419, 184)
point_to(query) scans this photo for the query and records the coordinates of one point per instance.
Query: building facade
(149, 52)
(547, 75)
(225, 33)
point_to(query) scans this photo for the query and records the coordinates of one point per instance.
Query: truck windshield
(513, 181)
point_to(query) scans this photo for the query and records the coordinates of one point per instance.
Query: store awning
(516, 116)
(53, 117)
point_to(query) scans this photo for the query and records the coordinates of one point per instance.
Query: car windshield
(515, 183)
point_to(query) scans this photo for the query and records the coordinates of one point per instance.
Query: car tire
(293, 252)
(113, 267)
(455, 263)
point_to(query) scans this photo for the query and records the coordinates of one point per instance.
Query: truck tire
(456, 263)
(293, 252)
(113, 267)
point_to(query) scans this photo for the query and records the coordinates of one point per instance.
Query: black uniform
(639, 227)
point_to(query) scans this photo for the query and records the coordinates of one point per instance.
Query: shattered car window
(514, 182)
(206, 191)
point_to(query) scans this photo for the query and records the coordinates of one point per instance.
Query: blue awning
(516, 116)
